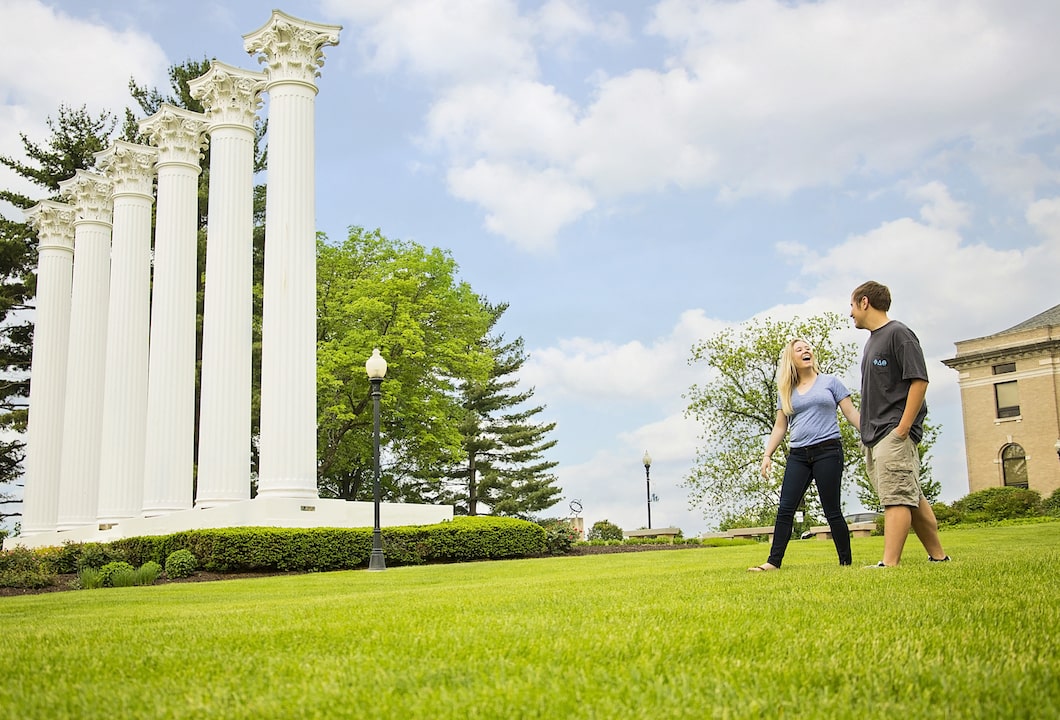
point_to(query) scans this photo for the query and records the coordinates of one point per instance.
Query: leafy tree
(503, 447)
(76, 135)
(737, 407)
(605, 530)
(404, 299)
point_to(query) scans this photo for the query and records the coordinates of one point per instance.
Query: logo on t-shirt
(879, 362)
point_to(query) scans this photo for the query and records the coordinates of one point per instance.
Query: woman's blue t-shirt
(814, 418)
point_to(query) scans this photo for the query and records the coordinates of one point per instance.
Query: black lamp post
(647, 482)
(376, 369)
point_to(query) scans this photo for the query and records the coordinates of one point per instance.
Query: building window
(1014, 465)
(1004, 368)
(1008, 399)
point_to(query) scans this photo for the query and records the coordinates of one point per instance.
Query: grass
(682, 634)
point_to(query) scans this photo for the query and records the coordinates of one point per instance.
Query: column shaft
(291, 51)
(169, 446)
(230, 98)
(40, 503)
(121, 486)
(90, 195)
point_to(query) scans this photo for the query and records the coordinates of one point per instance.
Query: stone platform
(259, 512)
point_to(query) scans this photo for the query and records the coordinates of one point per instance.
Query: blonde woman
(807, 402)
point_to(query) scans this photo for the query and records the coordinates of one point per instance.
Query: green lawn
(681, 634)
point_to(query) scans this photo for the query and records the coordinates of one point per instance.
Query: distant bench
(667, 532)
(748, 533)
(861, 529)
(823, 532)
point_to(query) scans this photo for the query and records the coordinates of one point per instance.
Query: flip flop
(764, 567)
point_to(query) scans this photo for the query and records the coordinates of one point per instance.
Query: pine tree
(504, 468)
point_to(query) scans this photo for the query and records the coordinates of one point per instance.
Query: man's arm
(913, 402)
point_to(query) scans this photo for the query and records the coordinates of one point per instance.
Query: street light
(647, 482)
(376, 369)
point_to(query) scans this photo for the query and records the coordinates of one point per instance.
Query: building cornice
(991, 356)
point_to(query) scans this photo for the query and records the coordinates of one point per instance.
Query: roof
(1049, 318)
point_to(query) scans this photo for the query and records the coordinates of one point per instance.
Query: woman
(807, 407)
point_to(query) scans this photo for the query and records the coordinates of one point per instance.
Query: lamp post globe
(647, 482)
(376, 369)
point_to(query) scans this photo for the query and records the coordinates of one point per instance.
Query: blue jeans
(823, 463)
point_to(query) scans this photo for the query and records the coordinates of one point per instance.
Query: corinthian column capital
(291, 49)
(229, 95)
(54, 223)
(129, 166)
(90, 195)
(178, 134)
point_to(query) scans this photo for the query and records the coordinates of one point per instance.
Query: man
(894, 381)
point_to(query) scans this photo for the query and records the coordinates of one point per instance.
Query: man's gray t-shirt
(892, 359)
(814, 419)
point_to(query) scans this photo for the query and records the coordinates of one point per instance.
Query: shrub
(999, 503)
(1051, 504)
(89, 579)
(945, 514)
(21, 567)
(148, 573)
(605, 530)
(123, 577)
(180, 564)
(108, 571)
(560, 536)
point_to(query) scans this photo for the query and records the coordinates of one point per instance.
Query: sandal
(764, 567)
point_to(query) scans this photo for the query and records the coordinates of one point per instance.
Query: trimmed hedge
(268, 549)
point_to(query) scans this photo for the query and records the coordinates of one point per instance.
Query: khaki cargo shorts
(893, 466)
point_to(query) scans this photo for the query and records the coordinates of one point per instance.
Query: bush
(123, 577)
(605, 530)
(181, 564)
(560, 536)
(999, 503)
(111, 569)
(89, 579)
(21, 567)
(945, 514)
(1051, 504)
(148, 573)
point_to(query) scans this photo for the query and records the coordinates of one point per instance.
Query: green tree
(404, 299)
(605, 530)
(503, 466)
(76, 135)
(737, 407)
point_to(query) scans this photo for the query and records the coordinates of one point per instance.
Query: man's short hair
(879, 296)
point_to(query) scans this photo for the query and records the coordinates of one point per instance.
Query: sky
(633, 177)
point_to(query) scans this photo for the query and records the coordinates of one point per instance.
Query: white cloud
(756, 97)
(527, 207)
(39, 73)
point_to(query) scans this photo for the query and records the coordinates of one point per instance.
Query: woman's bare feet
(764, 567)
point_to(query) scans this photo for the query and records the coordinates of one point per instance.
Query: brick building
(1010, 399)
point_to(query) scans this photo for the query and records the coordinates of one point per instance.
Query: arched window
(1014, 465)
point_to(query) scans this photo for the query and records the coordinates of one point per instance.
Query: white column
(90, 195)
(40, 502)
(291, 51)
(169, 446)
(131, 168)
(230, 98)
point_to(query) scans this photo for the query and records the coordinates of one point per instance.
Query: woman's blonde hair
(788, 374)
